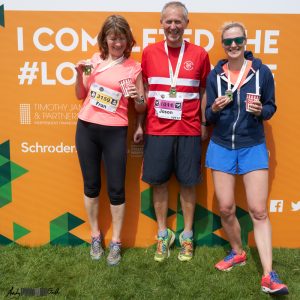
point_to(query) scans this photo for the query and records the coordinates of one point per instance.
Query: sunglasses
(238, 40)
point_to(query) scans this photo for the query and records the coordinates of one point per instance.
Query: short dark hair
(117, 25)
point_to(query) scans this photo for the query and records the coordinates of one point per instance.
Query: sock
(116, 243)
(96, 236)
(163, 233)
(187, 234)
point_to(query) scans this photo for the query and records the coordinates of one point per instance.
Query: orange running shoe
(231, 260)
(271, 284)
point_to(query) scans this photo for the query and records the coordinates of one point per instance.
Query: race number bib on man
(104, 98)
(168, 107)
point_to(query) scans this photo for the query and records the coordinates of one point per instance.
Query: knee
(187, 190)
(116, 193)
(91, 192)
(117, 200)
(92, 188)
(227, 211)
(116, 196)
(160, 189)
(258, 214)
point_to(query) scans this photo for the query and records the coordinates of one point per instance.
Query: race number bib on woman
(104, 98)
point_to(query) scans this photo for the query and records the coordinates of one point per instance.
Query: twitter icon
(295, 206)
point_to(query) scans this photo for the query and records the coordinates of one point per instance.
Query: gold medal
(173, 92)
(88, 69)
(229, 94)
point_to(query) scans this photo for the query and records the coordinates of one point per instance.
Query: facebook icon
(276, 205)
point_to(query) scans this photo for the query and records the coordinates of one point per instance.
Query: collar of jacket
(256, 63)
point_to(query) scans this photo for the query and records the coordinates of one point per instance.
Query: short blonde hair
(228, 25)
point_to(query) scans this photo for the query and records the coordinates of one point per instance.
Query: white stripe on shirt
(185, 96)
(180, 81)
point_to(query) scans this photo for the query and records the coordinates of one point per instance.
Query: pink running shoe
(231, 260)
(271, 284)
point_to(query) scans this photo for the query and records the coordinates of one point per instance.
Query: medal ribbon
(111, 64)
(241, 74)
(173, 77)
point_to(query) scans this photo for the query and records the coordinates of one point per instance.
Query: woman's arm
(80, 85)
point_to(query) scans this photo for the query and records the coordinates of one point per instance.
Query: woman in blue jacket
(240, 96)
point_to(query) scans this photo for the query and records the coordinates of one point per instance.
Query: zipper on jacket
(238, 115)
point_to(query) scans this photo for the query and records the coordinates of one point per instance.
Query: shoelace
(187, 247)
(96, 244)
(161, 245)
(115, 250)
(274, 277)
(230, 256)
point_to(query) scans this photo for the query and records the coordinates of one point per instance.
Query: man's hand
(138, 135)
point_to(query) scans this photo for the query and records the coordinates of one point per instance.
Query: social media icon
(276, 205)
(295, 206)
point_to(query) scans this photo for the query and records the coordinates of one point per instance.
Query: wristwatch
(140, 100)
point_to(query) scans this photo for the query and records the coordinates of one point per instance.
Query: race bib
(104, 98)
(168, 107)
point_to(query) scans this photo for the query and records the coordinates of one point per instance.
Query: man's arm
(138, 135)
(204, 124)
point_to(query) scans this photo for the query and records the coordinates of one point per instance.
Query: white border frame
(194, 6)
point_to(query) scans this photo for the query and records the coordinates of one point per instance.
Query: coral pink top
(105, 104)
(234, 74)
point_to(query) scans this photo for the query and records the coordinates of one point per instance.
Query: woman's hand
(133, 92)
(219, 103)
(256, 108)
(84, 67)
(80, 84)
(79, 67)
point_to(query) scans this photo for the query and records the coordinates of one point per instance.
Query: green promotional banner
(2, 15)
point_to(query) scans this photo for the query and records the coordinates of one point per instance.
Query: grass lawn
(68, 273)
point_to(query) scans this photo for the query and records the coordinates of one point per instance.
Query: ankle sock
(187, 234)
(163, 233)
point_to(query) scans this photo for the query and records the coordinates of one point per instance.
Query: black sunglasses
(238, 40)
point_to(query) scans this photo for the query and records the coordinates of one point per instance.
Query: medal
(229, 94)
(88, 69)
(229, 91)
(172, 92)
(174, 76)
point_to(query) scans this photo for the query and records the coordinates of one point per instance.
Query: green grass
(70, 270)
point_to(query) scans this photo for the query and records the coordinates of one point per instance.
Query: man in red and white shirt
(174, 72)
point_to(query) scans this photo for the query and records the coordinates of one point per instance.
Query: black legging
(93, 140)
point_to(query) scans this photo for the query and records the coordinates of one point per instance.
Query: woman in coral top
(106, 83)
(240, 96)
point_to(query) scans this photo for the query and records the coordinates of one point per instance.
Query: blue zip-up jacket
(234, 127)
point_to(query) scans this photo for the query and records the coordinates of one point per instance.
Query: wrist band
(206, 124)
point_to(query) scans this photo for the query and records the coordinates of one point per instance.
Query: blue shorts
(237, 161)
(165, 155)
